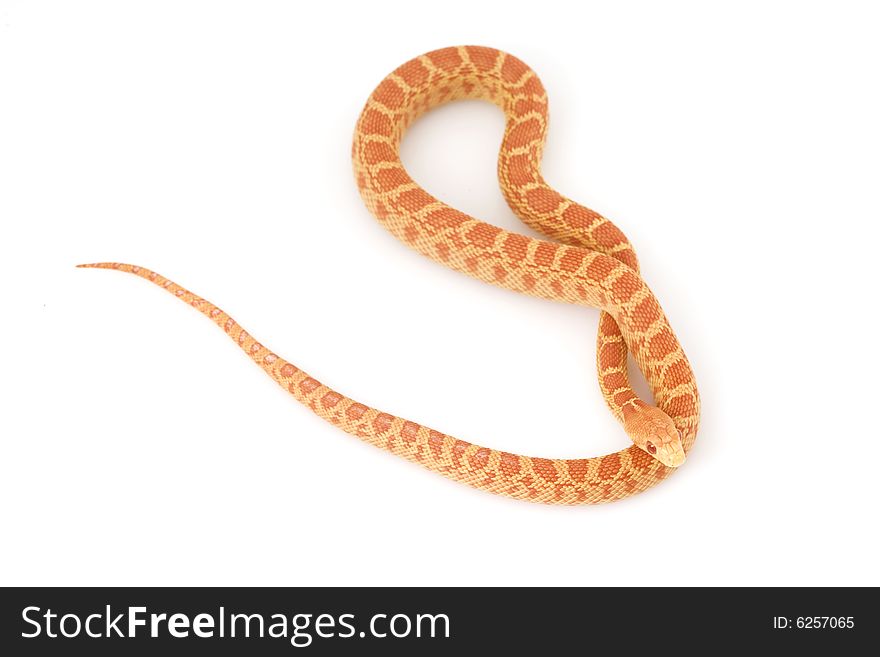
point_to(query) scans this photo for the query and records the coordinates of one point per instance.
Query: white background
(737, 147)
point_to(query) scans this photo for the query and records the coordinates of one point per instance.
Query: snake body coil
(588, 261)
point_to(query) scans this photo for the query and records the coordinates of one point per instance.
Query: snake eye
(650, 447)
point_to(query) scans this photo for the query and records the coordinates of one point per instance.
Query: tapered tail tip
(97, 265)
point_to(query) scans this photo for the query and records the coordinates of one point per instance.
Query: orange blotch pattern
(600, 268)
(483, 235)
(545, 469)
(543, 200)
(661, 345)
(609, 467)
(608, 235)
(413, 73)
(677, 374)
(520, 170)
(410, 431)
(572, 259)
(389, 94)
(545, 253)
(382, 423)
(509, 464)
(513, 70)
(612, 354)
(331, 399)
(579, 217)
(483, 58)
(578, 469)
(524, 133)
(626, 285)
(446, 59)
(392, 178)
(444, 218)
(414, 199)
(377, 152)
(435, 443)
(646, 313)
(376, 123)
(309, 385)
(479, 459)
(515, 246)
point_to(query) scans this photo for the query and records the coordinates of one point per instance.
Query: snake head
(654, 432)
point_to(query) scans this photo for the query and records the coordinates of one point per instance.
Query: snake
(585, 260)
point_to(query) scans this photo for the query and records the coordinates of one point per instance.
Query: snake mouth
(677, 460)
(671, 455)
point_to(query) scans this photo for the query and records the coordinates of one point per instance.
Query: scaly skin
(591, 263)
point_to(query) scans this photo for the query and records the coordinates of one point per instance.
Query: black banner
(113, 621)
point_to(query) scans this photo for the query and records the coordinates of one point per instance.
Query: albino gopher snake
(590, 263)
